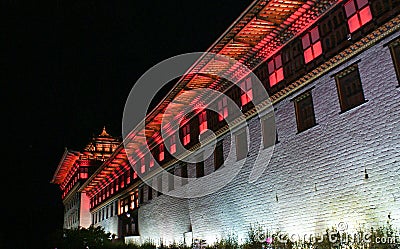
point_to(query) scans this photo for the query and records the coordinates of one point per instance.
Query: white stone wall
(85, 218)
(315, 178)
(72, 211)
(164, 218)
(110, 225)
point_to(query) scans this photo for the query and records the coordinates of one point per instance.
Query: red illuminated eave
(107, 170)
(65, 165)
(264, 28)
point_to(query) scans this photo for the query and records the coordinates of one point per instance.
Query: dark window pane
(349, 88)
(395, 51)
(159, 185)
(304, 112)
(171, 180)
(199, 169)
(241, 145)
(269, 132)
(184, 174)
(149, 192)
(218, 156)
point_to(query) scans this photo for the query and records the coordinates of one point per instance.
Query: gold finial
(104, 132)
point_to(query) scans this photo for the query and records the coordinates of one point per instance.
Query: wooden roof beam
(243, 41)
(211, 76)
(267, 20)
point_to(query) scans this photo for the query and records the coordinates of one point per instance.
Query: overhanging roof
(108, 170)
(67, 161)
(259, 32)
(255, 36)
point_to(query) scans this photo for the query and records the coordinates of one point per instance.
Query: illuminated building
(332, 71)
(74, 169)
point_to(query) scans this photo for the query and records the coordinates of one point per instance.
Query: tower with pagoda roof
(74, 169)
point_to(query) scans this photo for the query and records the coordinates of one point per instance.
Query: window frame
(267, 132)
(171, 183)
(276, 71)
(186, 134)
(149, 192)
(219, 156)
(200, 169)
(356, 14)
(159, 185)
(203, 126)
(141, 195)
(222, 107)
(303, 121)
(184, 173)
(395, 57)
(143, 165)
(242, 154)
(161, 152)
(246, 88)
(312, 44)
(172, 144)
(343, 73)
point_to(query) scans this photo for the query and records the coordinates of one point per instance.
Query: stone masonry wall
(315, 178)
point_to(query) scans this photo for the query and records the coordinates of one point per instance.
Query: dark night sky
(66, 69)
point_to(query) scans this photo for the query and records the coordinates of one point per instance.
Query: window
(134, 176)
(218, 156)
(132, 202)
(124, 207)
(247, 91)
(395, 52)
(128, 176)
(151, 162)
(171, 180)
(172, 144)
(141, 195)
(186, 134)
(161, 152)
(149, 192)
(241, 145)
(311, 45)
(358, 13)
(83, 173)
(349, 88)
(275, 70)
(199, 169)
(142, 165)
(184, 174)
(223, 108)
(202, 121)
(122, 181)
(268, 129)
(121, 207)
(159, 185)
(304, 112)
